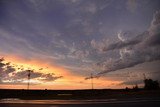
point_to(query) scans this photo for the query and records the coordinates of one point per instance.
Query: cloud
(132, 82)
(36, 75)
(50, 77)
(149, 38)
(124, 42)
(51, 26)
(80, 54)
(9, 69)
(99, 45)
(131, 5)
(1, 64)
(155, 24)
(143, 48)
(90, 8)
(11, 74)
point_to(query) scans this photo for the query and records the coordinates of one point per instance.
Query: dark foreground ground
(78, 94)
(97, 104)
(80, 98)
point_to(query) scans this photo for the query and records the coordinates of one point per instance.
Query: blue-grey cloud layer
(72, 33)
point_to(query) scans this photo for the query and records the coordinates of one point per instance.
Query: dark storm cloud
(120, 44)
(148, 38)
(140, 51)
(126, 43)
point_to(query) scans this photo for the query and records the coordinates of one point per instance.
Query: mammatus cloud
(123, 43)
(10, 74)
(143, 48)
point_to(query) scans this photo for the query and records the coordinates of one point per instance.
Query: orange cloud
(69, 80)
(36, 64)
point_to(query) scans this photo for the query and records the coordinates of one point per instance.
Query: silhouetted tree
(150, 84)
(135, 87)
(127, 88)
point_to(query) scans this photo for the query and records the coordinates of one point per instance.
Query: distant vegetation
(150, 84)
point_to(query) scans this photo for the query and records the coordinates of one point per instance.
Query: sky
(63, 42)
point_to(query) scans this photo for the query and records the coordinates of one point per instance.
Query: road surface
(82, 103)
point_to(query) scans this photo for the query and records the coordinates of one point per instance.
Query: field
(78, 94)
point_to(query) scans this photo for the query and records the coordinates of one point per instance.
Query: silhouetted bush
(135, 87)
(126, 88)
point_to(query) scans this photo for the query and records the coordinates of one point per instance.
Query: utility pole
(92, 81)
(29, 74)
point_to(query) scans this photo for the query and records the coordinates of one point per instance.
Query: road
(92, 103)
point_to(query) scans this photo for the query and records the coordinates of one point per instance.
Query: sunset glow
(64, 44)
